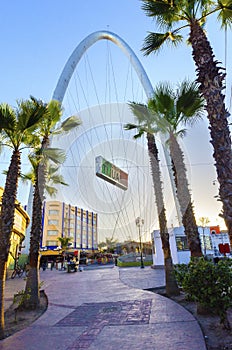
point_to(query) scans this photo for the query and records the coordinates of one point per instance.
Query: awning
(50, 252)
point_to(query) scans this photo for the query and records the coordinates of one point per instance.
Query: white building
(213, 241)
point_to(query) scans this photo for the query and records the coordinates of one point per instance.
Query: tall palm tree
(17, 128)
(145, 125)
(210, 75)
(172, 110)
(42, 153)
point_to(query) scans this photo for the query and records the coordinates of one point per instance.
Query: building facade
(214, 242)
(64, 220)
(21, 221)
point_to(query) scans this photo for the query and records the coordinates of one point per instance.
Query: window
(53, 212)
(181, 243)
(52, 232)
(52, 243)
(206, 242)
(52, 222)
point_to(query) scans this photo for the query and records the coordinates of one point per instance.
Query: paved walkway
(106, 309)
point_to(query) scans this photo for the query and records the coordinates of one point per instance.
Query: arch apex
(84, 45)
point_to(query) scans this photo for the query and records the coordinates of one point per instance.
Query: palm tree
(64, 242)
(111, 243)
(172, 110)
(17, 128)
(42, 153)
(211, 79)
(145, 125)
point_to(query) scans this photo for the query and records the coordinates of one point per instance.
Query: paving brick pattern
(95, 316)
(95, 310)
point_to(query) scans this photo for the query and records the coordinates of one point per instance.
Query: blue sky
(37, 38)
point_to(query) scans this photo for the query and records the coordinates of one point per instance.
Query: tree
(41, 154)
(17, 128)
(64, 242)
(145, 120)
(211, 79)
(172, 110)
(109, 244)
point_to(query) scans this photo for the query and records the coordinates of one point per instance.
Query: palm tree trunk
(171, 284)
(33, 283)
(2, 293)
(184, 198)
(212, 83)
(6, 225)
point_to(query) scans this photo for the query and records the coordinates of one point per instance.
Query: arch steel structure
(76, 56)
(84, 45)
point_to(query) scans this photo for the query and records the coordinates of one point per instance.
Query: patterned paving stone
(121, 312)
(95, 316)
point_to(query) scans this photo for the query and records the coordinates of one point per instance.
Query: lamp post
(139, 222)
(204, 221)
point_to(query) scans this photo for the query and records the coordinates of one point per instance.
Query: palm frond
(140, 133)
(55, 112)
(225, 14)
(51, 190)
(155, 8)
(56, 155)
(164, 12)
(30, 113)
(163, 100)
(189, 102)
(53, 176)
(30, 176)
(67, 125)
(7, 117)
(70, 123)
(130, 126)
(142, 113)
(154, 41)
(181, 133)
(30, 139)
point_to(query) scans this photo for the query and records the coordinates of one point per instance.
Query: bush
(208, 284)
(132, 263)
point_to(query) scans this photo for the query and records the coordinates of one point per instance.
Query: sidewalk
(106, 309)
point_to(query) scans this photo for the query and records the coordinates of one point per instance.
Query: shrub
(208, 284)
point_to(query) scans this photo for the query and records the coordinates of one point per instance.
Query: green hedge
(134, 263)
(208, 284)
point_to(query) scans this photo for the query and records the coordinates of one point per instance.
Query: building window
(206, 242)
(181, 243)
(52, 243)
(52, 222)
(52, 232)
(53, 212)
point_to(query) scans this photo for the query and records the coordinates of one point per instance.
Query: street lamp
(204, 221)
(139, 222)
